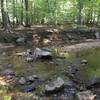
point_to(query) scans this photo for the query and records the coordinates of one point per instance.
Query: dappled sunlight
(3, 81)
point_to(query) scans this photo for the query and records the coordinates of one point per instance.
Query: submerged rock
(54, 86)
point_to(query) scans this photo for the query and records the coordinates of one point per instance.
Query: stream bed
(48, 71)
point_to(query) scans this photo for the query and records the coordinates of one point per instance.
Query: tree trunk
(80, 7)
(5, 17)
(21, 12)
(14, 13)
(27, 15)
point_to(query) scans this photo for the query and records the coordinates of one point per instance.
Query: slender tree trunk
(14, 13)
(27, 15)
(80, 7)
(91, 16)
(17, 21)
(98, 17)
(22, 12)
(5, 17)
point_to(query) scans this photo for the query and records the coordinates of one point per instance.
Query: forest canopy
(56, 12)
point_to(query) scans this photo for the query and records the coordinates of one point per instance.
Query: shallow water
(93, 57)
(51, 69)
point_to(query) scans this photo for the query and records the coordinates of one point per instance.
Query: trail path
(83, 46)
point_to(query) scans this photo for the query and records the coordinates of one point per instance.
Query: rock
(31, 78)
(4, 54)
(30, 88)
(68, 93)
(8, 72)
(71, 71)
(20, 40)
(42, 54)
(35, 77)
(85, 95)
(54, 86)
(9, 77)
(20, 54)
(46, 41)
(84, 61)
(69, 83)
(89, 40)
(27, 53)
(22, 81)
(92, 82)
(97, 35)
(6, 46)
(7, 66)
(30, 58)
(10, 65)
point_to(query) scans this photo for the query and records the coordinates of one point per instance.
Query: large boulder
(43, 54)
(54, 86)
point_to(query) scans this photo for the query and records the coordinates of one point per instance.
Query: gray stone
(41, 53)
(22, 81)
(97, 35)
(8, 72)
(35, 77)
(20, 40)
(93, 81)
(84, 61)
(85, 95)
(29, 58)
(31, 78)
(55, 85)
(30, 88)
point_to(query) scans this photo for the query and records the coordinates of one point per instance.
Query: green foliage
(3, 89)
(55, 11)
(6, 97)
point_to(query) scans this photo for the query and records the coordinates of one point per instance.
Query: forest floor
(70, 38)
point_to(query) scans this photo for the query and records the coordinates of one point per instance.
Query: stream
(48, 71)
